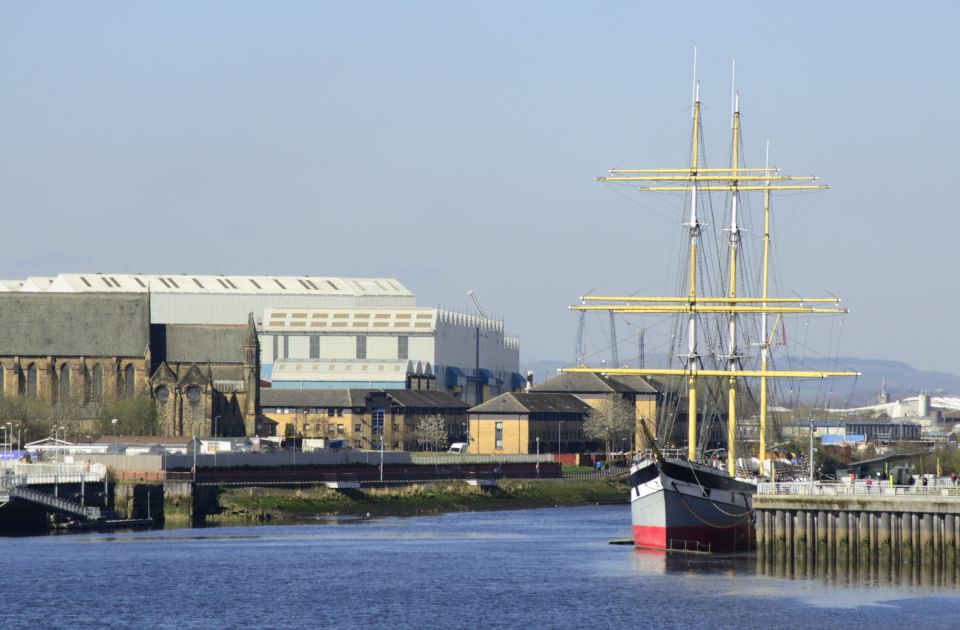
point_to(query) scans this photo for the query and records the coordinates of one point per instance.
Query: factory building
(389, 348)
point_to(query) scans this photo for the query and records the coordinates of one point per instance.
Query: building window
(162, 393)
(193, 394)
(331, 412)
(129, 373)
(339, 429)
(361, 347)
(356, 428)
(31, 385)
(403, 347)
(64, 382)
(376, 421)
(286, 347)
(499, 436)
(96, 384)
(314, 346)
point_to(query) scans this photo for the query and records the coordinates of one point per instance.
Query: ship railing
(859, 488)
(687, 546)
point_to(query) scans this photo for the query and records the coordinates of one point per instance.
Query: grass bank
(261, 504)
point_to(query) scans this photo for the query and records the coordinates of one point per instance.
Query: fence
(805, 488)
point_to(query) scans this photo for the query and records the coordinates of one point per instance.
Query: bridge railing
(859, 489)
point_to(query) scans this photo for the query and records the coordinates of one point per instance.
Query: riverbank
(279, 504)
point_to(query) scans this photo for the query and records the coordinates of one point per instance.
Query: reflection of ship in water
(660, 562)
(697, 503)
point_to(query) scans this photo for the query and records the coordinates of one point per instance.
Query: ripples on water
(546, 568)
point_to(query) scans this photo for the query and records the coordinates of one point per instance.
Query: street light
(114, 423)
(538, 457)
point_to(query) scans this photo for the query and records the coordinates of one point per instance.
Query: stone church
(77, 352)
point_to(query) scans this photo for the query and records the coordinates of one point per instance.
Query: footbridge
(21, 481)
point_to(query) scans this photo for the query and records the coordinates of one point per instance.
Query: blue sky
(454, 146)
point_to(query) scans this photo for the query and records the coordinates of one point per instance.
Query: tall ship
(721, 341)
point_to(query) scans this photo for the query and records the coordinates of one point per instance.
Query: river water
(548, 568)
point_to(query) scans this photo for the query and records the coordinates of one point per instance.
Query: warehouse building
(390, 348)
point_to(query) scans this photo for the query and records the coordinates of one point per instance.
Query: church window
(129, 373)
(96, 384)
(162, 393)
(31, 389)
(64, 382)
(193, 394)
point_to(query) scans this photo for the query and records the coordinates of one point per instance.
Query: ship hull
(678, 505)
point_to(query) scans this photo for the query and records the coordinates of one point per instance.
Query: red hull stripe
(730, 539)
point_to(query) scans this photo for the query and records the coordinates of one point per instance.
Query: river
(546, 568)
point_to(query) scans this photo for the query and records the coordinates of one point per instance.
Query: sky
(454, 146)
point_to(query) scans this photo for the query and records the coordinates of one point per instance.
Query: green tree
(610, 422)
(135, 416)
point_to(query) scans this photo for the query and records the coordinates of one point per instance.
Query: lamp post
(381, 456)
(114, 422)
(538, 457)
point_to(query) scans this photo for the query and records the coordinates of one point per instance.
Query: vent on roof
(333, 286)
(280, 284)
(230, 282)
(197, 282)
(164, 282)
(86, 282)
(254, 283)
(140, 282)
(303, 283)
(174, 283)
(105, 281)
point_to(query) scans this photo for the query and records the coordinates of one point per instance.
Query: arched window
(128, 376)
(64, 382)
(96, 384)
(193, 394)
(31, 390)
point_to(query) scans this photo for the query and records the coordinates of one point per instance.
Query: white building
(390, 348)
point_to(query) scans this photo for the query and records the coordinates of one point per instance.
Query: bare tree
(611, 422)
(432, 431)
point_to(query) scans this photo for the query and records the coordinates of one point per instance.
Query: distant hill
(902, 379)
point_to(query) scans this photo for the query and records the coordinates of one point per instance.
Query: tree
(432, 431)
(135, 416)
(610, 422)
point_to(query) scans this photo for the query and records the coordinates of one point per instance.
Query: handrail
(860, 488)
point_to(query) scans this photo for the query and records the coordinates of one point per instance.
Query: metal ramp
(51, 502)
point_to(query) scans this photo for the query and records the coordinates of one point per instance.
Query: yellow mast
(732, 332)
(764, 343)
(716, 179)
(692, 321)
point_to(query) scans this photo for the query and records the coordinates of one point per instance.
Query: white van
(458, 447)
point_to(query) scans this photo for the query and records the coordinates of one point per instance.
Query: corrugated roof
(207, 284)
(94, 325)
(530, 402)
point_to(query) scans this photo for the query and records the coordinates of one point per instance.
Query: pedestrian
(924, 481)
(599, 466)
